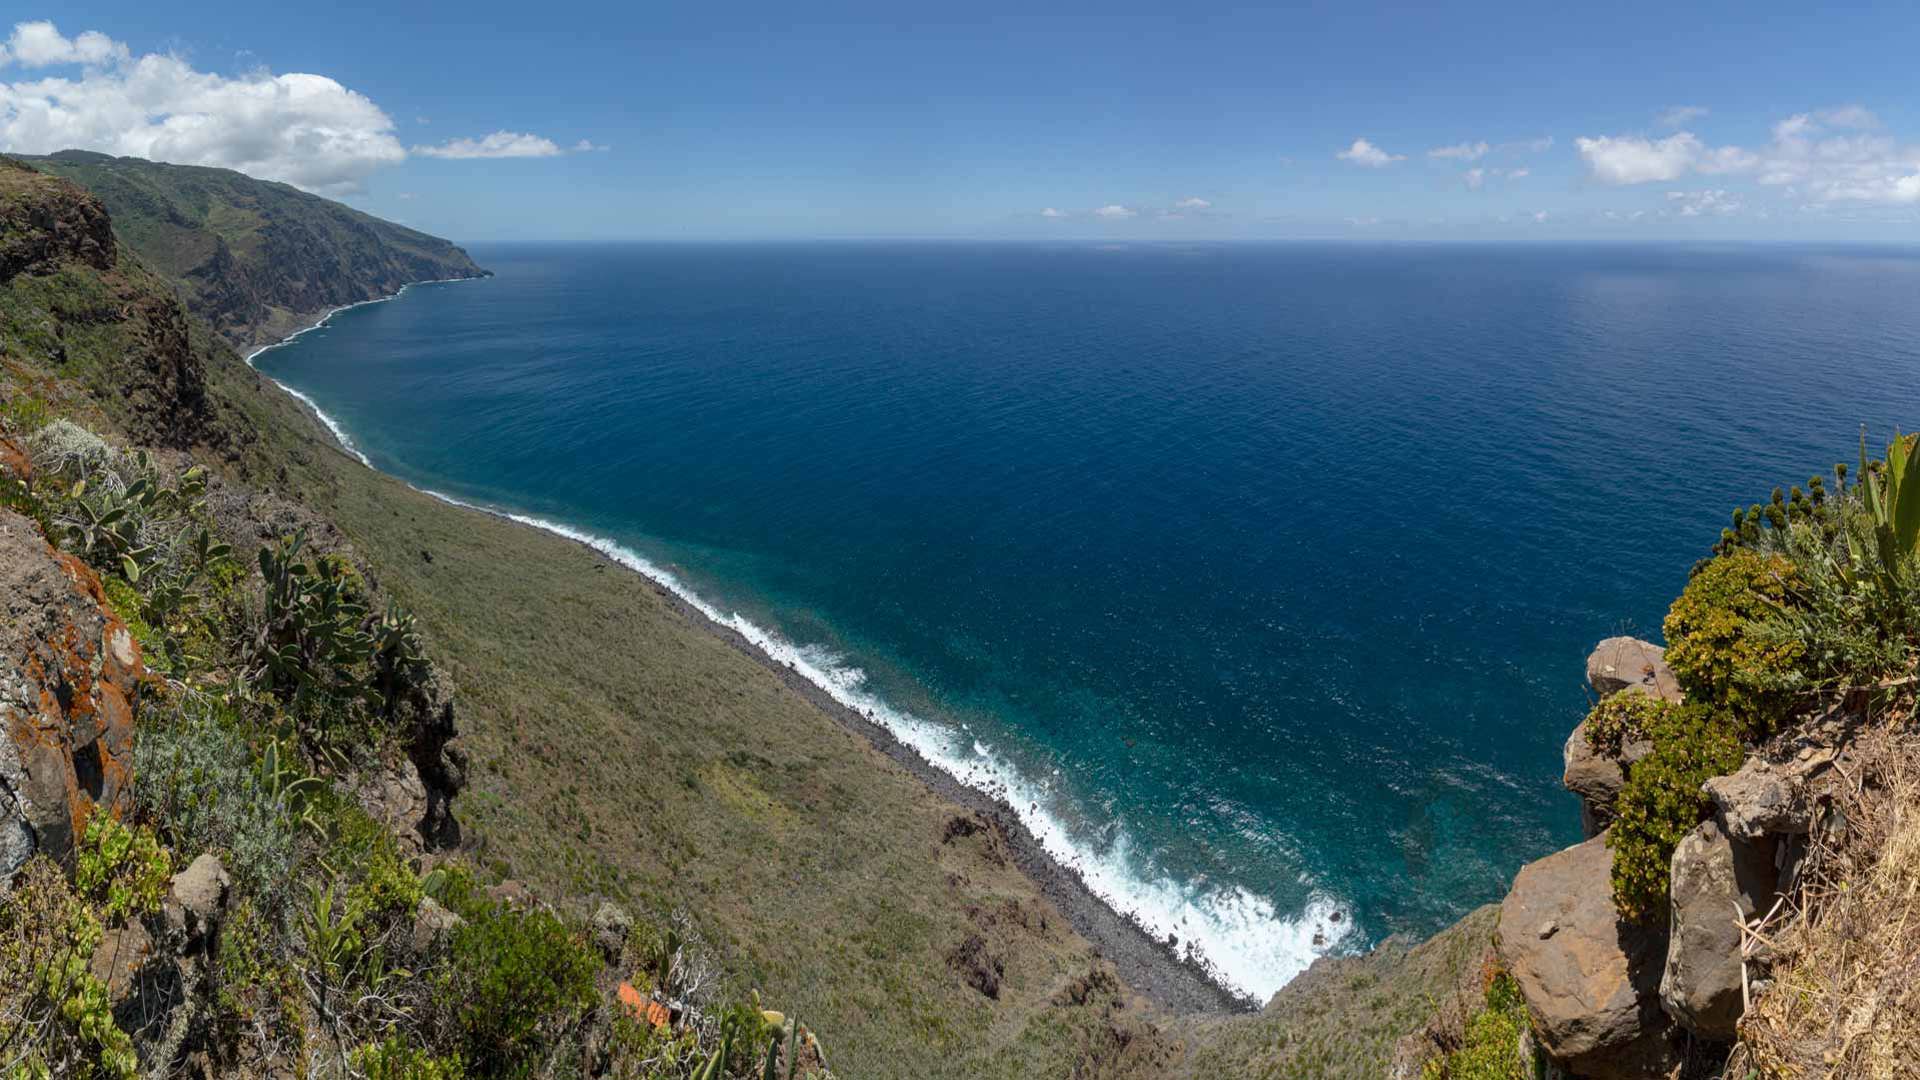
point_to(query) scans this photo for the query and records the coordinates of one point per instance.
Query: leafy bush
(195, 774)
(515, 980)
(1491, 1048)
(1622, 718)
(55, 1016)
(121, 869)
(1662, 801)
(393, 1059)
(1713, 648)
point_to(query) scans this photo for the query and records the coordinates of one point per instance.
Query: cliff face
(80, 314)
(255, 259)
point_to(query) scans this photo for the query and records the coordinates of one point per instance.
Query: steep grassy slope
(619, 749)
(255, 259)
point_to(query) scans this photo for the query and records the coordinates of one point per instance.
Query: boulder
(431, 923)
(1620, 663)
(195, 902)
(1590, 981)
(611, 928)
(1713, 874)
(1762, 798)
(70, 680)
(1596, 778)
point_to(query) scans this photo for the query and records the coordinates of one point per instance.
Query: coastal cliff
(525, 779)
(256, 260)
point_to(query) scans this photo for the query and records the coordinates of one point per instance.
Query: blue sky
(569, 120)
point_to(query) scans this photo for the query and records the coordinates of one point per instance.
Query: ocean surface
(1258, 578)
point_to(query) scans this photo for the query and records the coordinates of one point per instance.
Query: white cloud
(1192, 203)
(1806, 155)
(1363, 222)
(1632, 159)
(1050, 212)
(1849, 116)
(1679, 116)
(1476, 179)
(1519, 174)
(1365, 153)
(1473, 151)
(40, 44)
(588, 145)
(1540, 217)
(1115, 212)
(500, 144)
(1716, 201)
(305, 129)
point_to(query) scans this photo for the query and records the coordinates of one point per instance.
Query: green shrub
(23, 414)
(1622, 718)
(515, 981)
(395, 1060)
(55, 1016)
(1491, 1048)
(1713, 645)
(195, 775)
(122, 870)
(1662, 801)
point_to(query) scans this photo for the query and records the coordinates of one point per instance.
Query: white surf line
(1238, 936)
(1246, 944)
(333, 427)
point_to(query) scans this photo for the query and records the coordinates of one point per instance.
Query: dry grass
(1846, 995)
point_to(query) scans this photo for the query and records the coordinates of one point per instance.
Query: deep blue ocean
(1260, 578)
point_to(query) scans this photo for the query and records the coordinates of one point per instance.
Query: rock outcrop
(1591, 982)
(1623, 663)
(1719, 883)
(1616, 665)
(70, 680)
(1596, 778)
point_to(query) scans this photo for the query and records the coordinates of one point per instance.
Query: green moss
(1713, 645)
(1662, 801)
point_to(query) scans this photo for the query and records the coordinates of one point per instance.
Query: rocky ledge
(1614, 1000)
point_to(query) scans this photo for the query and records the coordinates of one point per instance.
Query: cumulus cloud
(1466, 151)
(305, 129)
(1715, 201)
(1050, 212)
(1518, 174)
(1679, 116)
(1828, 155)
(1476, 179)
(1631, 159)
(1192, 203)
(1540, 217)
(1365, 153)
(40, 44)
(500, 144)
(1115, 212)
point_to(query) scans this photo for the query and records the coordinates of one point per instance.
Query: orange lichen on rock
(14, 461)
(71, 680)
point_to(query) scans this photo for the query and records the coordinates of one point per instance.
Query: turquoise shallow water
(1258, 578)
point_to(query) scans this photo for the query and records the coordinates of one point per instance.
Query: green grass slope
(255, 259)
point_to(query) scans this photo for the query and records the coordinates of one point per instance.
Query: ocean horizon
(1256, 578)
